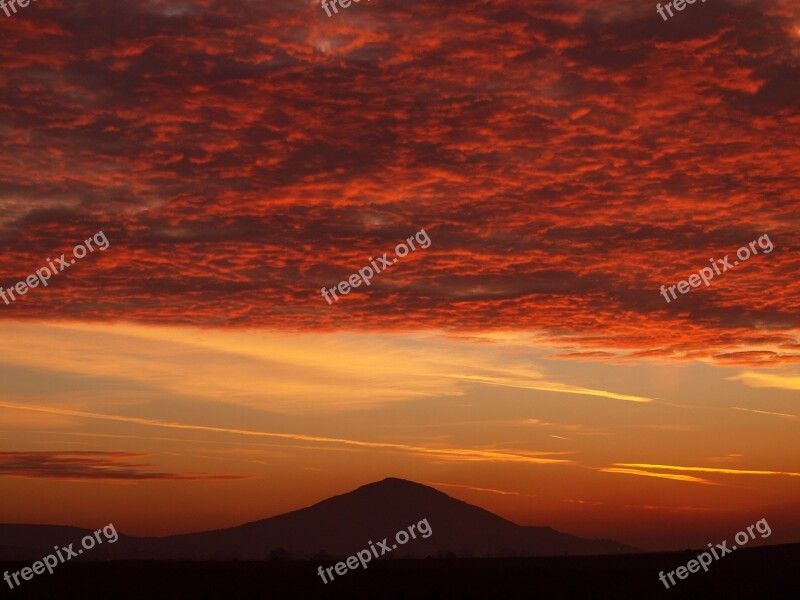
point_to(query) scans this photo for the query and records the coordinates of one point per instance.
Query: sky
(566, 161)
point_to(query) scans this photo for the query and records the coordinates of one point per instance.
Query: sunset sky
(566, 158)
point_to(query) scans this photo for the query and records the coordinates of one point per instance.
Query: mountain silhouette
(339, 527)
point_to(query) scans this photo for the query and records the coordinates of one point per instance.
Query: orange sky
(566, 159)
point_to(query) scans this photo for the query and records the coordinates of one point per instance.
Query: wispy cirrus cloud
(768, 380)
(545, 386)
(766, 412)
(643, 473)
(269, 370)
(716, 470)
(438, 453)
(479, 489)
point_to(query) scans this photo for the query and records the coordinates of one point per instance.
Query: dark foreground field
(759, 573)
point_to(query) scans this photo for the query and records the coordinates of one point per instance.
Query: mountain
(342, 525)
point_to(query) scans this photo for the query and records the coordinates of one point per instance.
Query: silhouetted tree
(279, 554)
(322, 556)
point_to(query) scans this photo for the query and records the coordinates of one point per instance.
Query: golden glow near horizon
(502, 425)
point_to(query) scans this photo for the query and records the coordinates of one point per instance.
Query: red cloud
(566, 161)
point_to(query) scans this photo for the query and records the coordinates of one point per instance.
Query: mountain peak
(341, 524)
(396, 482)
(401, 489)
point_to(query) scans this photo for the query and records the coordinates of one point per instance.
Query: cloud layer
(85, 465)
(567, 159)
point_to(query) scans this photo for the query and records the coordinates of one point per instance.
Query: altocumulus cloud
(241, 154)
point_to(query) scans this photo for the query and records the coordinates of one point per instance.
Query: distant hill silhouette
(336, 527)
